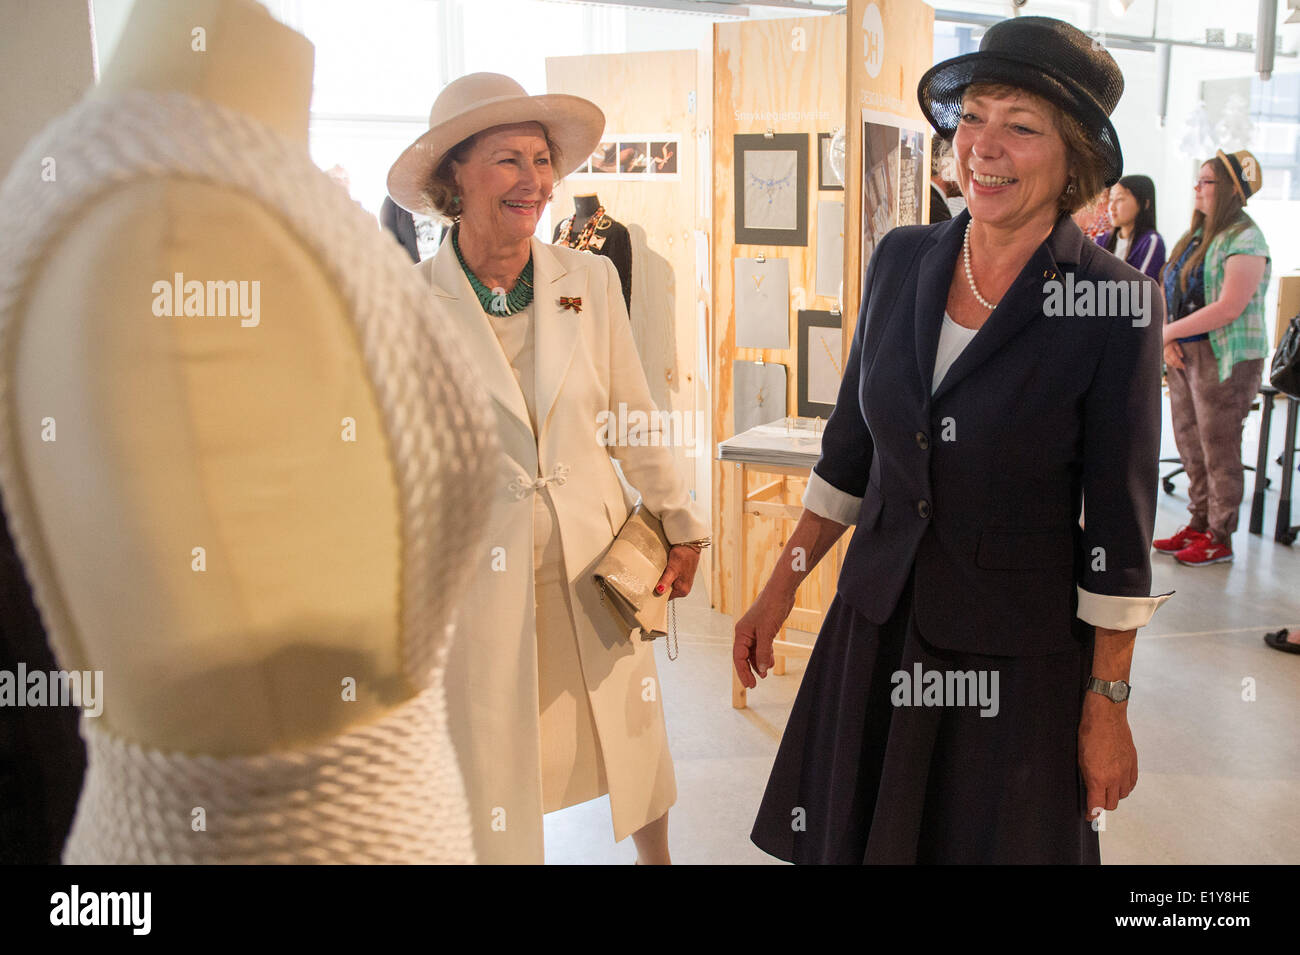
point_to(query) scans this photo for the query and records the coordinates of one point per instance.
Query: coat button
(922, 441)
(923, 508)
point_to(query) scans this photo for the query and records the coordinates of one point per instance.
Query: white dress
(387, 791)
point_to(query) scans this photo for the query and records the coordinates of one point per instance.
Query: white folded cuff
(1118, 613)
(828, 501)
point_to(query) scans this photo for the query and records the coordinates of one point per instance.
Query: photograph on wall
(830, 247)
(762, 303)
(663, 158)
(634, 156)
(758, 393)
(771, 189)
(893, 175)
(820, 363)
(604, 161)
(826, 181)
(911, 176)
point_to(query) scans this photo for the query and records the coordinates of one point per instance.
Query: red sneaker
(1183, 539)
(1204, 550)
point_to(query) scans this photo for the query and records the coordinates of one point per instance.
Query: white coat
(586, 367)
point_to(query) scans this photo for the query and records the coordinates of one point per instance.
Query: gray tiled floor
(1219, 776)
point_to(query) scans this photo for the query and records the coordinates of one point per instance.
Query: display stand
(801, 77)
(772, 456)
(774, 80)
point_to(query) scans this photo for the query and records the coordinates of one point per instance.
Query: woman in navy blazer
(1002, 369)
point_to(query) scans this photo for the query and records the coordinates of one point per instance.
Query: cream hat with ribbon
(481, 101)
(1247, 178)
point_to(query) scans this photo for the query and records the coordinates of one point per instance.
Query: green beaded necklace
(498, 301)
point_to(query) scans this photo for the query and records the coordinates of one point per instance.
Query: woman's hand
(1107, 756)
(680, 572)
(1174, 355)
(752, 650)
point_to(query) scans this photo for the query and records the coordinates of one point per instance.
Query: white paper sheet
(830, 247)
(771, 189)
(762, 303)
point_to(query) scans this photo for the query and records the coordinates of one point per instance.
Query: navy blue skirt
(858, 779)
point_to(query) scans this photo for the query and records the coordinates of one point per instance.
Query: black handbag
(1284, 374)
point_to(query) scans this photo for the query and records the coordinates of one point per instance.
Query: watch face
(1119, 692)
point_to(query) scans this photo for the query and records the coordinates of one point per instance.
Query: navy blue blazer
(978, 489)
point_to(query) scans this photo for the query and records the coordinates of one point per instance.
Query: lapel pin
(574, 303)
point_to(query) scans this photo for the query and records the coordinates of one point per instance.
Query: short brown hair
(1088, 165)
(441, 192)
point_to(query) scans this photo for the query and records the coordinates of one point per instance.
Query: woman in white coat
(550, 701)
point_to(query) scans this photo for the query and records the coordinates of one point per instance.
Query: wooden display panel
(648, 93)
(787, 76)
(884, 68)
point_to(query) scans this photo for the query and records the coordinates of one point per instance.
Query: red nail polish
(659, 589)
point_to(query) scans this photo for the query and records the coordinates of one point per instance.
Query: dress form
(609, 238)
(584, 207)
(181, 432)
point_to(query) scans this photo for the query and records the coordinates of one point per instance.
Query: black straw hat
(1044, 56)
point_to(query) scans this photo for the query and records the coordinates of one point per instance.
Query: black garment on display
(42, 757)
(939, 211)
(402, 226)
(608, 238)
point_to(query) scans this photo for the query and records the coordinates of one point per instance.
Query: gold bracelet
(696, 545)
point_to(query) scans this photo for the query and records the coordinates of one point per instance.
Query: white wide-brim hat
(481, 101)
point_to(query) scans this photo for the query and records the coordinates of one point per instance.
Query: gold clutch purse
(629, 571)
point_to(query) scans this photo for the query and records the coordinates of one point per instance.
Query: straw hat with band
(1244, 172)
(481, 101)
(1044, 56)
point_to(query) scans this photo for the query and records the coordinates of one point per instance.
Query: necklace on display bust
(588, 230)
(497, 301)
(970, 276)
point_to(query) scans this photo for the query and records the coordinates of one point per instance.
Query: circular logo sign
(873, 40)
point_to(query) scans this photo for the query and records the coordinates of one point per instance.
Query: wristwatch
(1115, 690)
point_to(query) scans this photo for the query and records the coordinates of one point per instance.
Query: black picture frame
(746, 234)
(825, 175)
(810, 319)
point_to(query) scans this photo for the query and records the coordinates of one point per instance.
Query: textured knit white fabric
(387, 791)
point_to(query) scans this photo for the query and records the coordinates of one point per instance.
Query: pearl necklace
(970, 277)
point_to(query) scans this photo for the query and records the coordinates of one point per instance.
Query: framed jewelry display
(762, 303)
(820, 363)
(826, 181)
(758, 393)
(771, 189)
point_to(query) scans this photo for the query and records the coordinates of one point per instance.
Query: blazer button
(922, 441)
(923, 508)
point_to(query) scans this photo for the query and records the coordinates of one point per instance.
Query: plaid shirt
(1246, 336)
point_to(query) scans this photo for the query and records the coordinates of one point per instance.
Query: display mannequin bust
(177, 433)
(604, 237)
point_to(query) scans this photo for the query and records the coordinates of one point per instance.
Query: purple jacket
(1146, 254)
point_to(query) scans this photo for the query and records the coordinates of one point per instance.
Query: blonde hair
(1089, 166)
(442, 195)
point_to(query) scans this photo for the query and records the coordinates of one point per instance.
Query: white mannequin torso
(184, 432)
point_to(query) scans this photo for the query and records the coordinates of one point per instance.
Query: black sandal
(1278, 641)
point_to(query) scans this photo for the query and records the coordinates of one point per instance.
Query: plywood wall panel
(898, 53)
(788, 76)
(644, 93)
